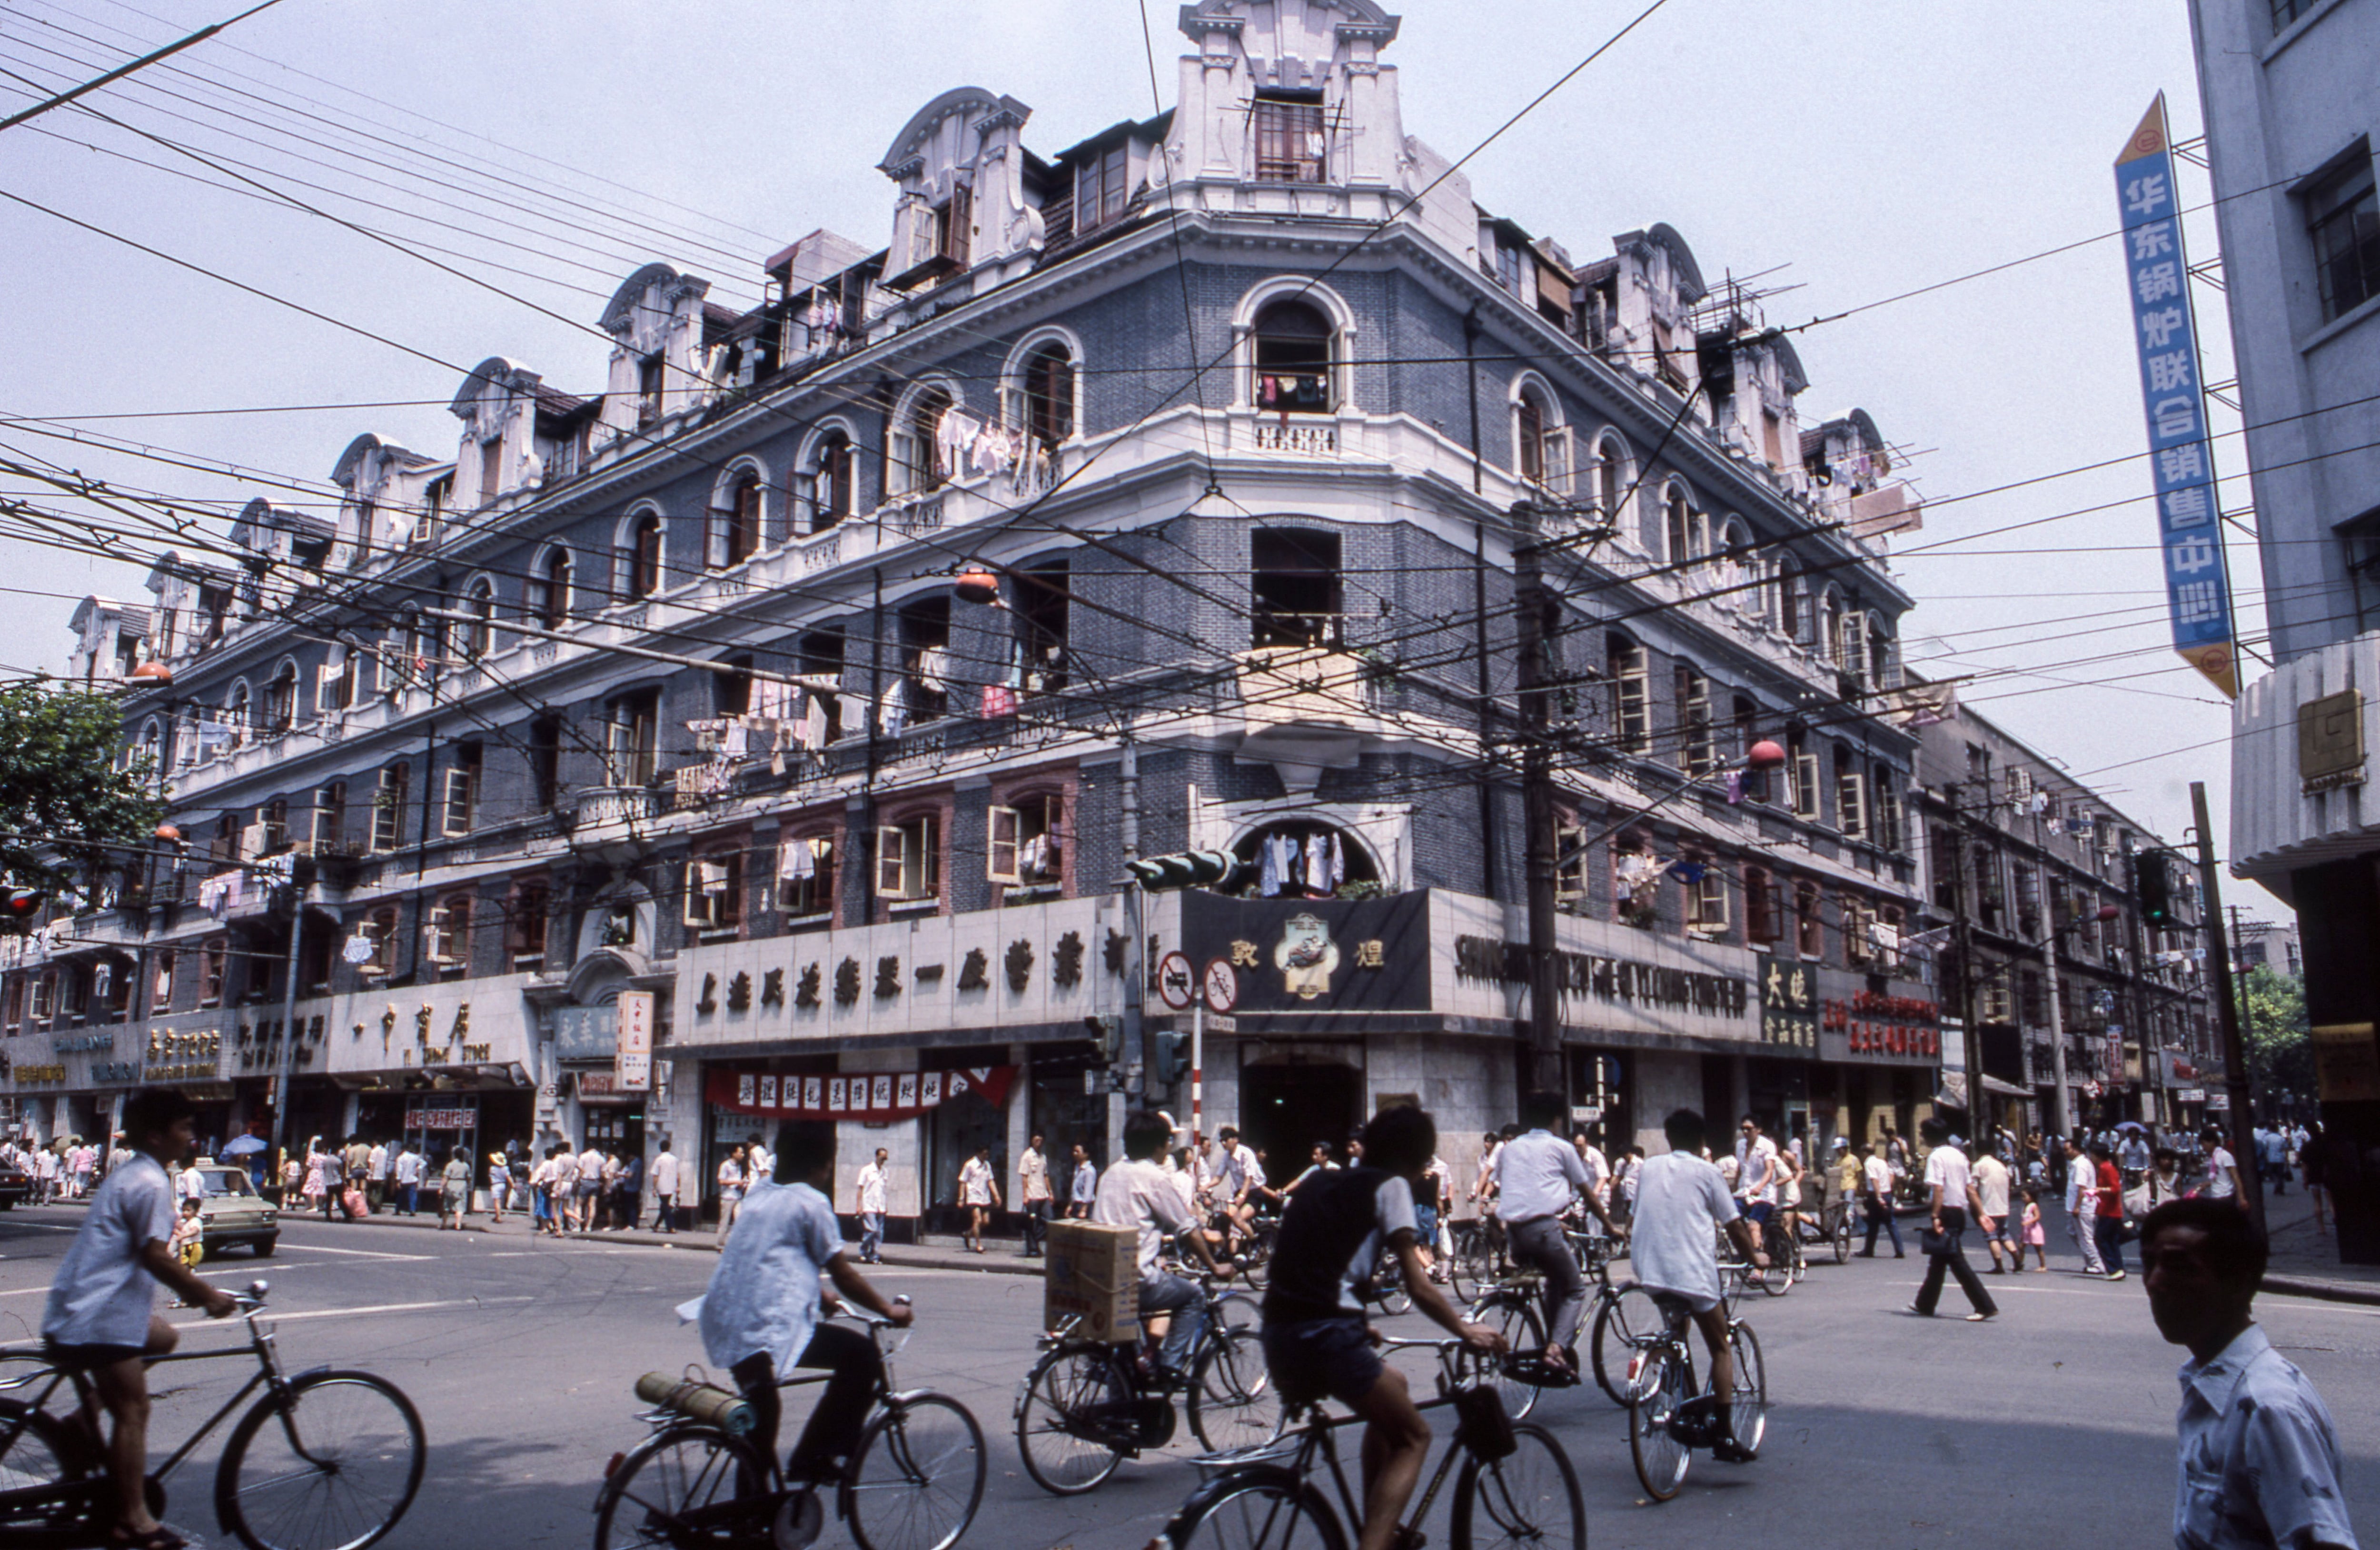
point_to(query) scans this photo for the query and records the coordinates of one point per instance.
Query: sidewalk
(2304, 1263)
(999, 1258)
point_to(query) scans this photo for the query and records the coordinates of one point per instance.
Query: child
(188, 1242)
(2034, 1233)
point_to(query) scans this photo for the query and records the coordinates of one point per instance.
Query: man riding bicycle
(1538, 1175)
(1138, 1192)
(760, 1315)
(1681, 1201)
(1315, 1338)
(99, 1318)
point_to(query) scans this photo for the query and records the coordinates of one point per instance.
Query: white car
(232, 1210)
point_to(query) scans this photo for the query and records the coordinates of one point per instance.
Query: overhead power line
(201, 35)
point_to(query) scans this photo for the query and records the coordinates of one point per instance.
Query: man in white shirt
(1033, 1188)
(1950, 1192)
(1681, 1205)
(665, 1188)
(590, 1188)
(1537, 1175)
(1876, 1201)
(758, 1164)
(2222, 1171)
(2259, 1454)
(1991, 1179)
(1136, 1194)
(761, 1314)
(100, 1318)
(408, 1181)
(1598, 1173)
(870, 1199)
(1755, 1177)
(376, 1176)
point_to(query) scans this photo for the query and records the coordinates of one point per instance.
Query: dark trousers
(1036, 1225)
(1538, 1244)
(1879, 1217)
(858, 1372)
(1954, 1223)
(408, 1198)
(665, 1213)
(2108, 1233)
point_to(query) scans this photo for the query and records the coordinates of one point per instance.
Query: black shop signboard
(1315, 958)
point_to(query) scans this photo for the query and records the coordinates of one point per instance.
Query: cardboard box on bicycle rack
(1092, 1274)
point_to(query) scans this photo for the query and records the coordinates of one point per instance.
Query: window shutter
(458, 800)
(1805, 784)
(1558, 460)
(1570, 877)
(1855, 652)
(1006, 825)
(891, 861)
(1851, 801)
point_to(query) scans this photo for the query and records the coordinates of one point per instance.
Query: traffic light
(1191, 868)
(19, 907)
(1107, 1032)
(1173, 1058)
(2156, 889)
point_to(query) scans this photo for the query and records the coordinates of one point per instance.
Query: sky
(1855, 152)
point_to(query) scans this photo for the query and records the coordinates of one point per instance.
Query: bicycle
(913, 1481)
(1478, 1257)
(1516, 1486)
(329, 1460)
(1625, 1318)
(1832, 1229)
(1088, 1405)
(1670, 1416)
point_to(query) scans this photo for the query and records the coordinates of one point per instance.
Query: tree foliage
(63, 798)
(2281, 1045)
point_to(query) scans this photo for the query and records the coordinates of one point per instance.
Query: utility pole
(2058, 1106)
(1963, 930)
(2238, 970)
(1542, 1063)
(281, 1065)
(1136, 976)
(2235, 1055)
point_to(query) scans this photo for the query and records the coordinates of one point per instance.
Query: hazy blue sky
(1868, 147)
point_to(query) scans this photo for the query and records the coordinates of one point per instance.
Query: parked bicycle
(914, 1480)
(1088, 1405)
(328, 1460)
(1669, 1415)
(1516, 1487)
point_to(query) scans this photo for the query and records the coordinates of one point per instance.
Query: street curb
(2328, 1291)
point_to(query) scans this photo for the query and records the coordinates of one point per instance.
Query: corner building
(671, 692)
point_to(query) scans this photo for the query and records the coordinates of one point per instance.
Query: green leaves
(63, 798)
(2280, 1046)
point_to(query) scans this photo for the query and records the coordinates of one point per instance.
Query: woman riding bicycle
(1317, 1341)
(761, 1314)
(99, 1318)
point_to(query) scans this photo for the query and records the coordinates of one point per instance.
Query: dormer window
(1290, 143)
(1293, 360)
(954, 225)
(1102, 187)
(491, 469)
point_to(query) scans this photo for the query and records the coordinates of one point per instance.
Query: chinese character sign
(2198, 588)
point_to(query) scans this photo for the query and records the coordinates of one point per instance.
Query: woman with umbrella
(251, 1149)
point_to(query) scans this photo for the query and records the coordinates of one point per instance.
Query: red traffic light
(19, 906)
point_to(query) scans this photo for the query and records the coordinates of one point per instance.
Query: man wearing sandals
(1681, 1201)
(1538, 1175)
(1315, 1338)
(100, 1318)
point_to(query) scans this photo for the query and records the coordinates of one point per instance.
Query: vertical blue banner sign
(2197, 582)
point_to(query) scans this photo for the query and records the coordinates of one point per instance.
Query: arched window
(918, 464)
(1294, 361)
(1301, 858)
(1540, 442)
(1049, 394)
(153, 754)
(1611, 478)
(1830, 638)
(645, 555)
(734, 534)
(235, 712)
(281, 698)
(1684, 530)
(480, 633)
(834, 482)
(550, 590)
(1792, 599)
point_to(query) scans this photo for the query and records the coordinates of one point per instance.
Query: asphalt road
(2053, 1426)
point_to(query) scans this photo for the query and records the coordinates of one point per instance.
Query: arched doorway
(1299, 858)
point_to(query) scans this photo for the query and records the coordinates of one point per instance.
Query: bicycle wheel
(1660, 1459)
(1843, 1238)
(1256, 1509)
(691, 1488)
(1388, 1276)
(1529, 1497)
(329, 1464)
(1231, 1399)
(1471, 1269)
(1510, 1315)
(916, 1476)
(37, 1450)
(1750, 1391)
(1624, 1322)
(1071, 1424)
(1784, 1260)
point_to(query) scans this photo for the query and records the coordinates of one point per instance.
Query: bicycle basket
(1482, 1424)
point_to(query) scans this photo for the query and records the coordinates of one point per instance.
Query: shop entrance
(1288, 1104)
